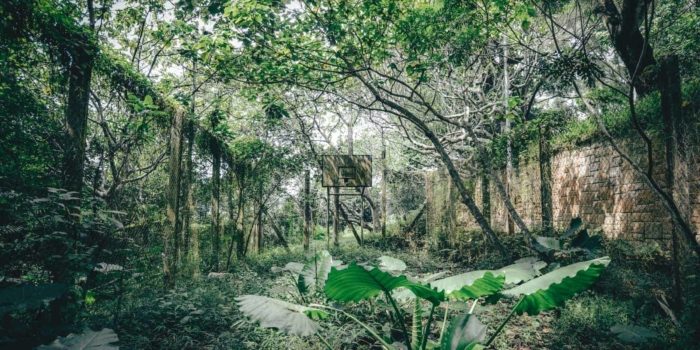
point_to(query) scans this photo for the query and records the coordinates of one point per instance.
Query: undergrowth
(200, 313)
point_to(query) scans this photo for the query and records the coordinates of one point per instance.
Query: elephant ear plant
(355, 282)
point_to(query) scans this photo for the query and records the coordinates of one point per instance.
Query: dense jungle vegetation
(163, 186)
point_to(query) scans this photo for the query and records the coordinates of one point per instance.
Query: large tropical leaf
(574, 226)
(28, 296)
(466, 332)
(550, 243)
(388, 263)
(513, 274)
(584, 241)
(286, 317)
(318, 268)
(486, 285)
(633, 334)
(88, 340)
(356, 283)
(553, 289)
(293, 267)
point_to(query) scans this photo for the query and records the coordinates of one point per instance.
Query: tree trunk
(170, 241)
(510, 227)
(189, 175)
(545, 155)
(336, 203)
(80, 72)
(623, 28)
(483, 156)
(307, 210)
(486, 196)
(277, 230)
(240, 233)
(672, 113)
(352, 227)
(415, 220)
(445, 157)
(259, 231)
(384, 173)
(215, 148)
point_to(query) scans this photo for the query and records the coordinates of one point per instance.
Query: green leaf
(293, 267)
(388, 263)
(550, 243)
(584, 241)
(285, 317)
(148, 100)
(88, 340)
(514, 274)
(318, 268)
(105, 267)
(356, 283)
(574, 226)
(29, 296)
(553, 289)
(633, 334)
(486, 285)
(466, 332)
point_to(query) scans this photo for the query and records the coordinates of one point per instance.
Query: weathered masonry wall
(591, 182)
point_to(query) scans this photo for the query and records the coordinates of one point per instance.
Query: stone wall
(591, 182)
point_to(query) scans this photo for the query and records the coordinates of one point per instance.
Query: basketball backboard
(347, 171)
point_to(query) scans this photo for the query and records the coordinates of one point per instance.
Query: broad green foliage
(574, 226)
(286, 317)
(582, 241)
(88, 340)
(357, 283)
(313, 273)
(633, 334)
(486, 285)
(466, 332)
(550, 243)
(482, 282)
(318, 268)
(29, 296)
(553, 289)
(391, 264)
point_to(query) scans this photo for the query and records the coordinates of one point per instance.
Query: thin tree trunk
(545, 155)
(384, 173)
(506, 130)
(260, 220)
(189, 175)
(336, 202)
(277, 230)
(232, 222)
(352, 227)
(671, 100)
(240, 233)
(486, 196)
(80, 72)
(215, 197)
(170, 241)
(307, 210)
(415, 220)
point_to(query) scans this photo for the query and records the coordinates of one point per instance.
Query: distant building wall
(590, 181)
